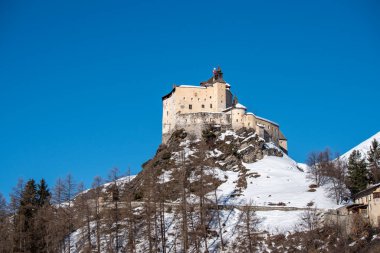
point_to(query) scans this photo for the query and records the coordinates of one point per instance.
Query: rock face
(184, 154)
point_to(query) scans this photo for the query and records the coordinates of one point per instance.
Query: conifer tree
(41, 217)
(358, 176)
(373, 157)
(43, 193)
(26, 241)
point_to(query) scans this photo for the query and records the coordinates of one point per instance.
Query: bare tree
(69, 191)
(218, 214)
(83, 216)
(310, 219)
(319, 163)
(96, 195)
(6, 230)
(183, 206)
(149, 211)
(337, 177)
(15, 199)
(131, 243)
(112, 212)
(247, 226)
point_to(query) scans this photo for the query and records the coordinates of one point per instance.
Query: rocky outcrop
(217, 148)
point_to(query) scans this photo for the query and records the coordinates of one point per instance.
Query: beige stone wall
(193, 99)
(168, 114)
(373, 208)
(283, 144)
(238, 118)
(270, 128)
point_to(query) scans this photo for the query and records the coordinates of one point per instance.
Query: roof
(169, 94)
(355, 206)
(267, 120)
(240, 106)
(367, 191)
(191, 86)
(216, 78)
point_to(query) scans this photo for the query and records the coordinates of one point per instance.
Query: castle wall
(193, 99)
(271, 129)
(195, 123)
(250, 121)
(283, 144)
(238, 118)
(168, 114)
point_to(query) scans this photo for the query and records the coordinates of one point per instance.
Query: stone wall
(195, 123)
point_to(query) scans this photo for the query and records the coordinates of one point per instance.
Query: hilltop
(363, 147)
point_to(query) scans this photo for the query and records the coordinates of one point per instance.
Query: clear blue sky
(81, 81)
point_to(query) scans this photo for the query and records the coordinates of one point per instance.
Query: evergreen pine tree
(373, 157)
(40, 220)
(43, 193)
(28, 206)
(358, 176)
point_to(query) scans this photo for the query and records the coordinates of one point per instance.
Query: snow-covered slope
(275, 180)
(362, 147)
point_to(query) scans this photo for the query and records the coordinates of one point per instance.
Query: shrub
(312, 190)
(137, 196)
(166, 155)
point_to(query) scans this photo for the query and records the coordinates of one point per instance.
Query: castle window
(237, 120)
(190, 107)
(210, 105)
(210, 96)
(184, 98)
(167, 112)
(203, 106)
(191, 98)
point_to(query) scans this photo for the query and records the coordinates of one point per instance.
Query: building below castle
(194, 108)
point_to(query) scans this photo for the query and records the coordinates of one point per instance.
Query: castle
(194, 108)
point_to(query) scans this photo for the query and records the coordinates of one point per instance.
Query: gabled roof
(367, 191)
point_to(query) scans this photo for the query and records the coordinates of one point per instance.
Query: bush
(137, 196)
(166, 155)
(312, 190)
(313, 186)
(208, 135)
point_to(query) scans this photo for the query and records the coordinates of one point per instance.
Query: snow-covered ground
(276, 222)
(275, 179)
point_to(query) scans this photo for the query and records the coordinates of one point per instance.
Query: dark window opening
(190, 107)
